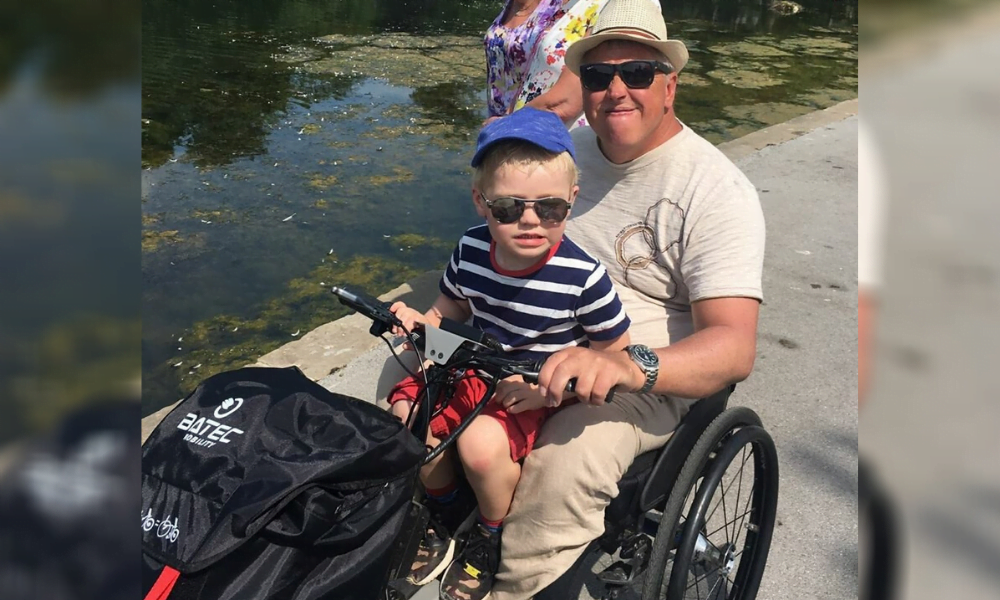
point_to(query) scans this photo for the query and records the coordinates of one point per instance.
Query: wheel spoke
(699, 579)
(711, 592)
(726, 526)
(746, 507)
(723, 517)
(739, 488)
(724, 490)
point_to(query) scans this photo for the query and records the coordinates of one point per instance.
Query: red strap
(164, 583)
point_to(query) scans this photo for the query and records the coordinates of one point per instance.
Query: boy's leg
(392, 373)
(439, 474)
(485, 453)
(447, 509)
(568, 480)
(485, 450)
(447, 504)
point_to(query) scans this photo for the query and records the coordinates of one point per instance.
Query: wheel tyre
(755, 546)
(721, 430)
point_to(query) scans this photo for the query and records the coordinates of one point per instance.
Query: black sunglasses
(636, 74)
(509, 210)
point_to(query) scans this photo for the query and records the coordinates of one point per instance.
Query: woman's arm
(565, 97)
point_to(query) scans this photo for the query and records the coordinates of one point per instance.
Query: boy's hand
(517, 396)
(410, 317)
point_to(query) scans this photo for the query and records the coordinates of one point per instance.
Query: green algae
(409, 241)
(401, 59)
(748, 49)
(226, 342)
(322, 182)
(223, 215)
(152, 240)
(398, 175)
(744, 78)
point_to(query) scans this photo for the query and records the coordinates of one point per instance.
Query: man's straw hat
(635, 20)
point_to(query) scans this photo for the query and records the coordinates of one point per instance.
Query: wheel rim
(725, 535)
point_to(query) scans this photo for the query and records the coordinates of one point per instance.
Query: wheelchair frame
(693, 461)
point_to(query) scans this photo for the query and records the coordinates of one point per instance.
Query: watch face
(645, 355)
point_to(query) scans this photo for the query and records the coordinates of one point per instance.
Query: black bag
(264, 485)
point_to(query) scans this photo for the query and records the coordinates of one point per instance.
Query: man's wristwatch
(648, 361)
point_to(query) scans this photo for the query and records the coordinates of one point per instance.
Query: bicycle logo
(165, 529)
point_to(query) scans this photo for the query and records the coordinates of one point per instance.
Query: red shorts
(522, 428)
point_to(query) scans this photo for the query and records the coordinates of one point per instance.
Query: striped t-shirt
(568, 300)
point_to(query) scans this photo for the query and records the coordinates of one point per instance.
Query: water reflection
(291, 145)
(69, 318)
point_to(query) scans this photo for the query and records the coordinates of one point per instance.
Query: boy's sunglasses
(636, 74)
(509, 210)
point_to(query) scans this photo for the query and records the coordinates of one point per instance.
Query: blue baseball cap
(540, 127)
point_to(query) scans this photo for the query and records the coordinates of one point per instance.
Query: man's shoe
(470, 577)
(437, 548)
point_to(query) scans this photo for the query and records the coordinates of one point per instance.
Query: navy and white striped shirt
(568, 301)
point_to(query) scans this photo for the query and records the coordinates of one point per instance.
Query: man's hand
(595, 373)
(407, 315)
(517, 396)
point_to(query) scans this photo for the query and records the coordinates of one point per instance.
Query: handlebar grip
(531, 376)
(369, 306)
(571, 387)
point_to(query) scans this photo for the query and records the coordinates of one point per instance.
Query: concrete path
(804, 385)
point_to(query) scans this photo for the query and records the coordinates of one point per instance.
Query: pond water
(290, 145)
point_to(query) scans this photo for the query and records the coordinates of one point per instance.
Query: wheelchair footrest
(620, 573)
(635, 554)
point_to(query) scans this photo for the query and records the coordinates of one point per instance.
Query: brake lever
(371, 307)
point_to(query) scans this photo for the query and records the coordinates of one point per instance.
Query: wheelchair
(691, 520)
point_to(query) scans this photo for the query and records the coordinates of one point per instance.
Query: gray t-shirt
(679, 224)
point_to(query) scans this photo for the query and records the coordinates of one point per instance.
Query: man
(680, 230)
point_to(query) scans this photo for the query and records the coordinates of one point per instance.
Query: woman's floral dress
(523, 62)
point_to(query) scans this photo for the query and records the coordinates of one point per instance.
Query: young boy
(537, 292)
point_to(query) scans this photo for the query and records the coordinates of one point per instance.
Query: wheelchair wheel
(715, 531)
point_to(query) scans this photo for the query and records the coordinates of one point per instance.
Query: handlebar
(488, 352)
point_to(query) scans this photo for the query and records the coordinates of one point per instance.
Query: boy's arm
(448, 308)
(613, 345)
(443, 307)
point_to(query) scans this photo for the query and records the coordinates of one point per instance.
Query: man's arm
(720, 352)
